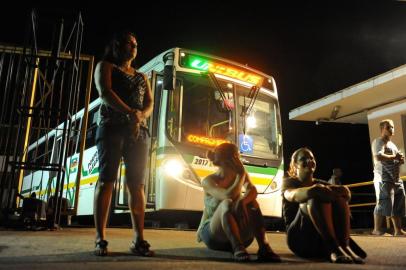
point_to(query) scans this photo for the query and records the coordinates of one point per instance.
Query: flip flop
(335, 258)
(357, 249)
(267, 255)
(241, 256)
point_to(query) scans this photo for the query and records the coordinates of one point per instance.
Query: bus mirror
(169, 72)
(169, 78)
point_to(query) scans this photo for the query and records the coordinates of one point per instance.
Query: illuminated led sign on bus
(213, 142)
(200, 63)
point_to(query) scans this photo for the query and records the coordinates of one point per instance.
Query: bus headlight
(173, 167)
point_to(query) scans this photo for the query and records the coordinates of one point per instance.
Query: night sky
(311, 49)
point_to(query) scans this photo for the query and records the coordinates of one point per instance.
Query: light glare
(251, 121)
(173, 167)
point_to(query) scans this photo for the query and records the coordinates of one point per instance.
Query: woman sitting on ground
(231, 220)
(316, 214)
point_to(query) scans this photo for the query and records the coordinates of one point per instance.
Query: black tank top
(131, 89)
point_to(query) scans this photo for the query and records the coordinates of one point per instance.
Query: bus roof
(351, 105)
(157, 61)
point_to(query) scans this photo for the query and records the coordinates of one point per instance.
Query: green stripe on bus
(262, 170)
(188, 158)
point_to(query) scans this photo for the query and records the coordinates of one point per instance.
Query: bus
(200, 101)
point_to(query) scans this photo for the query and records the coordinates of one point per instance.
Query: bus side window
(173, 113)
(74, 138)
(91, 128)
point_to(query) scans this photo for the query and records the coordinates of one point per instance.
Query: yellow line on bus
(254, 179)
(85, 181)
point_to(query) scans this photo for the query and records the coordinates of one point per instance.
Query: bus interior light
(251, 121)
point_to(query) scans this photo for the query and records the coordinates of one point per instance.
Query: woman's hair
(224, 151)
(293, 161)
(113, 49)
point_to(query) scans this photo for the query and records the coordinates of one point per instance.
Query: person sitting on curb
(316, 214)
(231, 220)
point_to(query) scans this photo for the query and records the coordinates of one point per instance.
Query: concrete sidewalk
(71, 248)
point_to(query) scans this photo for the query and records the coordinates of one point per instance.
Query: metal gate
(41, 91)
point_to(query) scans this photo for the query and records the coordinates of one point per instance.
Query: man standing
(335, 178)
(390, 192)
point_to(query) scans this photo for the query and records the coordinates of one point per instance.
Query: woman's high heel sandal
(141, 248)
(101, 248)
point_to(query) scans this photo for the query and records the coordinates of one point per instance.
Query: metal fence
(41, 91)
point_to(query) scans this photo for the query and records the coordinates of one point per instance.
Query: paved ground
(71, 248)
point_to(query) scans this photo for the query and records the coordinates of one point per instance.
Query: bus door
(121, 197)
(153, 123)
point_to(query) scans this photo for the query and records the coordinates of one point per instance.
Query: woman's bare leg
(101, 207)
(223, 225)
(136, 203)
(321, 215)
(341, 218)
(256, 223)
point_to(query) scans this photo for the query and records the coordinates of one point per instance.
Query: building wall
(397, 112)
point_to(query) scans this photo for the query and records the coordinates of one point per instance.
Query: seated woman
(231, 220)
(316, 214)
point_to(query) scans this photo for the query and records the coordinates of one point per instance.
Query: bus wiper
(253, 94)
(218, 87)
(246, 110)
(223, 97)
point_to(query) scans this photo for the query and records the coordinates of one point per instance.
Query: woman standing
(126, 104)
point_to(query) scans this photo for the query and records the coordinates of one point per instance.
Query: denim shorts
(115, 142)
(390, 199)
(213, 243)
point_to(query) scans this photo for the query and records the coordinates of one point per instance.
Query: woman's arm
(303, 194)
(138, 115)
(232, 192)
(102, 79)
(250, 191)
(341, 191)
(148, 100)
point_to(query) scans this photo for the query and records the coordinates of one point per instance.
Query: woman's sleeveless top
(131, 90)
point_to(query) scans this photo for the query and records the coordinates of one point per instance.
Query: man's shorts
(116, 142)
(390, 199)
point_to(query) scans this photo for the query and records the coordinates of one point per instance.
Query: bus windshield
(203, 114)
(261, 138)
(205, 119)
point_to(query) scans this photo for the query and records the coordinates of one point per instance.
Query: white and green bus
(200, 101)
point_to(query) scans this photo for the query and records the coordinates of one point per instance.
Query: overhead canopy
(351, 104)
